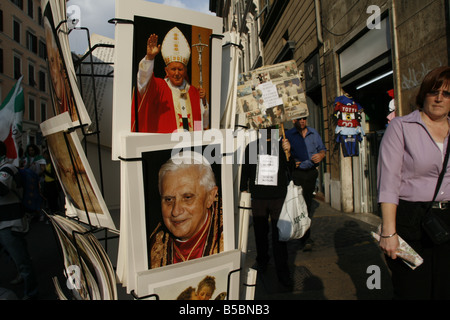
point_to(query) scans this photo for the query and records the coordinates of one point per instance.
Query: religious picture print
(189, 197)
(83, 197)
(170, 80)
(63, 85)
(178, 204)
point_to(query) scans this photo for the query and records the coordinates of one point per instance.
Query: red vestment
(192, 248)
(156, 109)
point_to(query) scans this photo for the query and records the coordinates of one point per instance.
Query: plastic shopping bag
(294, 221)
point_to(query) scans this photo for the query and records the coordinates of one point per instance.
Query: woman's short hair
(434, 80)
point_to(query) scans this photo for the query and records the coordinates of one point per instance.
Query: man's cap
(175, 47)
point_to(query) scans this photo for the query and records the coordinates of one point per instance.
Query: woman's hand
(389, 246)
(388, 236)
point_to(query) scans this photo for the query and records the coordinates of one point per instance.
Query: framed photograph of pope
(170, 79)
(179, 204)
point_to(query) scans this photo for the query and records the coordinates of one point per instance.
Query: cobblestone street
(337, 266)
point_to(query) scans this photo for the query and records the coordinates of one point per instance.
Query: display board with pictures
(65, 93)
(83, 196)
(141, 204)
(271, 95)
(143, 19)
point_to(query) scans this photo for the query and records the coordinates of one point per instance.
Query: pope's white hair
(186, 160)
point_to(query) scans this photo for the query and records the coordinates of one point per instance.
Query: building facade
(241, 28)
(376, 52)
(291, 30)
(23, 53)
(369, 52)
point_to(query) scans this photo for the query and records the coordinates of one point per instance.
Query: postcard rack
(77, 65)
(84, 130)
(88, 59)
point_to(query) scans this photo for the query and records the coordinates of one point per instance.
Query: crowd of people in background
(27, 193)
(41, 188)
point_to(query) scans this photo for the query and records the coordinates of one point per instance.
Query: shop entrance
(371, 92)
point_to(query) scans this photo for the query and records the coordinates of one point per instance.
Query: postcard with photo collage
(271, 95)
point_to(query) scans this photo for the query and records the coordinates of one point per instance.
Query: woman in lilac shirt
(409, 164)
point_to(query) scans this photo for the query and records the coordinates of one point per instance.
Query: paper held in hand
(405, 252)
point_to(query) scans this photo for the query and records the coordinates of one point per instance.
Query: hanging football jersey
(349, 131)
(350, 144)
(347, 111)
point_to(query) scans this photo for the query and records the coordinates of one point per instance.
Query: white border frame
(62, 123)
(150, 281)
(133, 207)
(123, 77)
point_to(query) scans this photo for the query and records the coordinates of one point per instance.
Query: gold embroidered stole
(182, 105)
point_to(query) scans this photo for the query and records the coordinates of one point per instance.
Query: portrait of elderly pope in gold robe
(191, 224)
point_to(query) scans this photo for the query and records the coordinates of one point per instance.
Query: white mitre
(175, 47)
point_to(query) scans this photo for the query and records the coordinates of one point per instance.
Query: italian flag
(11, 114)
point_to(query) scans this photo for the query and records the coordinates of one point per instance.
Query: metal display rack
(77, 64)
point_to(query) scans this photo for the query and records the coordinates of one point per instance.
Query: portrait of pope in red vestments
(170, 103)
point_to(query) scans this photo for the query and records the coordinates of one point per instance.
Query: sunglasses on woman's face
(435, 93)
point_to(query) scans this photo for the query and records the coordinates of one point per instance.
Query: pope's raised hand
(153, 48)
